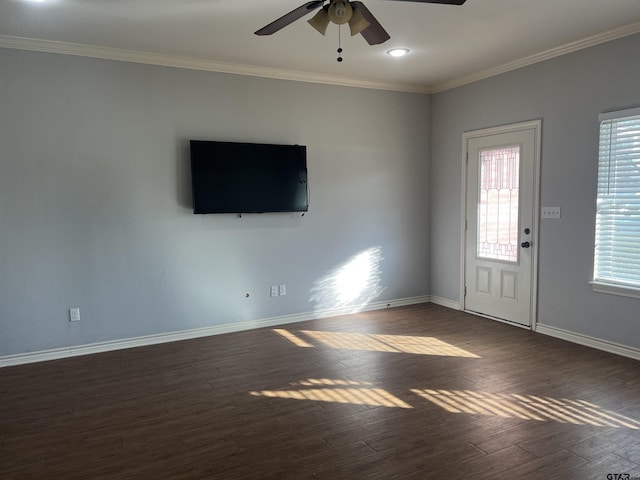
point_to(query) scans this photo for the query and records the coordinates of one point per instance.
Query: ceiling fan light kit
(357, 23)
(321, 20)
(339, 15)
(340, 12)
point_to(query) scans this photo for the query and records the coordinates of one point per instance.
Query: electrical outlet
(274, 290)
(74, 314)
(550, 212)
(283, 290)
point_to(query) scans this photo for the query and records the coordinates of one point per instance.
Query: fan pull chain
(339, 44)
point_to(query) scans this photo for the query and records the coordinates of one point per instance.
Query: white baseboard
(578, 338)
(445, 302)
(587, 341)
(73, 351)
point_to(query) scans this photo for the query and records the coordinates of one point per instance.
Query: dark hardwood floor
(420, 392)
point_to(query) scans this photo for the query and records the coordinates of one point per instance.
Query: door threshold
(501, 320)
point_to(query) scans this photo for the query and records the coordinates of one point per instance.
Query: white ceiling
(449, 44)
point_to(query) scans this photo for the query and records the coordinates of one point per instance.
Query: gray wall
(95, 199)
(567, 93)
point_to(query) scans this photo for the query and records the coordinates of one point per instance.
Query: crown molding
(602, 37)
(107, 53)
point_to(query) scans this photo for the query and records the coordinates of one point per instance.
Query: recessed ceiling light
(398, 52)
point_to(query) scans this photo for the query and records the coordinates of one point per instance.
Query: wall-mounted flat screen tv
(229, 177)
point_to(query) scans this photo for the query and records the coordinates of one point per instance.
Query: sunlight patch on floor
(336, 391)
(292, 337)
(374, 342)
(526, 407)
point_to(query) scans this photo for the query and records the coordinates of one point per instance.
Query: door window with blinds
(617, 244)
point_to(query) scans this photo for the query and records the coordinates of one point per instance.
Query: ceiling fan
(359, 18)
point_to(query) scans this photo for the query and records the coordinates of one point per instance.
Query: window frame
(614, 286)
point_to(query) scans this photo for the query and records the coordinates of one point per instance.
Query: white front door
(500, 212)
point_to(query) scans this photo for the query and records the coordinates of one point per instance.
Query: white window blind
(617, 246)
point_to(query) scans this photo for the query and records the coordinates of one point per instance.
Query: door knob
(525, 244)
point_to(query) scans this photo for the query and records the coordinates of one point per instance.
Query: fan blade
(374, 34)
(290, 17)
(445, 2)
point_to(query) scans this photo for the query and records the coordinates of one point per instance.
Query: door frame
(536, 126)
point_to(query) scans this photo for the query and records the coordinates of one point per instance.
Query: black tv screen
(230, 177)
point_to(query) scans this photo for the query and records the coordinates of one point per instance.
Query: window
(617, 246)
(499, 193)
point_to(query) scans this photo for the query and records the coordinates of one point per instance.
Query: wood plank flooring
(420, 392)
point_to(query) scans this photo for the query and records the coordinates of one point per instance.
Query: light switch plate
(550, 212)
(74, 314)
